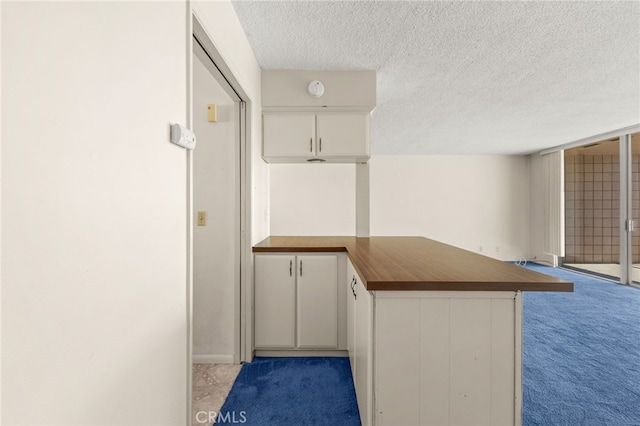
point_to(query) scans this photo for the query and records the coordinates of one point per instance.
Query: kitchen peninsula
(433, 332)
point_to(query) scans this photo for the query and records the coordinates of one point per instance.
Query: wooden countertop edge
(566, 287)
(324, 249)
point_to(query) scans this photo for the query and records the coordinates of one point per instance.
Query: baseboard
(277, 353)
(212, 359)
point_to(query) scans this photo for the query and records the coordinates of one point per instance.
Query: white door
(274, 294)
(289, 135)
(341, 135)
(317, 301)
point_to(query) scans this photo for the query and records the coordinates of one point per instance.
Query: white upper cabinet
(343, 135)
(301, 125)
(289, 135)
(337, 138)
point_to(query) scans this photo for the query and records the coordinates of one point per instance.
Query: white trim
(626, 209)
(242, 295)
(592, 139)
(213, 359)
(298, 353)
(189, 208)
(518, 360)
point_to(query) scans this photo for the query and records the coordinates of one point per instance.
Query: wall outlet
(202, 218)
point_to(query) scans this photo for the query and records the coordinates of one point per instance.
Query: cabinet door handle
(310, 144)
(290, 268)
(353, 287)
(300, 267)
(320, 142)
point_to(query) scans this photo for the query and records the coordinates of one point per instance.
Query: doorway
(216, 192)
(602, 198)
(220, 178)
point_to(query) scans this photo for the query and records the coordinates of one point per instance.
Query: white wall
(472, 202)
(215, 246)
(313, 199)
(94, 269)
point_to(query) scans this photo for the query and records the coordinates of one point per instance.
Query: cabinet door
(289, 135)
(274, 322)
(351, 317)
(343, 135)
(364, 352)
(317, 301)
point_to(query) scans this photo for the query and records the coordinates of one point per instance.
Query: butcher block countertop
(417, 263)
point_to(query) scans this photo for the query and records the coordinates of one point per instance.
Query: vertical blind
(553, 164)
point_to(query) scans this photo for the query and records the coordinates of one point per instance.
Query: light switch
(202, 218)
(212, 113)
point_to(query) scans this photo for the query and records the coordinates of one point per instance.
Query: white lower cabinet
(317, 302)
(434, 357)
(275, 300)
(360, 342)
(296, 301)
(448, 358)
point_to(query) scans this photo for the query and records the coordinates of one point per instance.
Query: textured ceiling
(467, 77)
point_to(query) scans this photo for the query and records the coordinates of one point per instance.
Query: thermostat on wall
(182, 136)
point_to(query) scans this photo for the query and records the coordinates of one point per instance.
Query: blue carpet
(581, 354)
(293, 391)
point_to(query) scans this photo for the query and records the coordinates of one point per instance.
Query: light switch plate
(212, 113)
(202, 218)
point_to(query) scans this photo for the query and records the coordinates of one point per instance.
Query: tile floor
(211, 385)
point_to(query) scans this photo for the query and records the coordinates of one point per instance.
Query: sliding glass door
(602, 199)
(592, 197)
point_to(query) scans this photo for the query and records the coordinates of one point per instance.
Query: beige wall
(313, 199)
(94, 210)
(479, 203)
(94, 207)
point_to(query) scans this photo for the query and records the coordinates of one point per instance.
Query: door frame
(197, 37)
